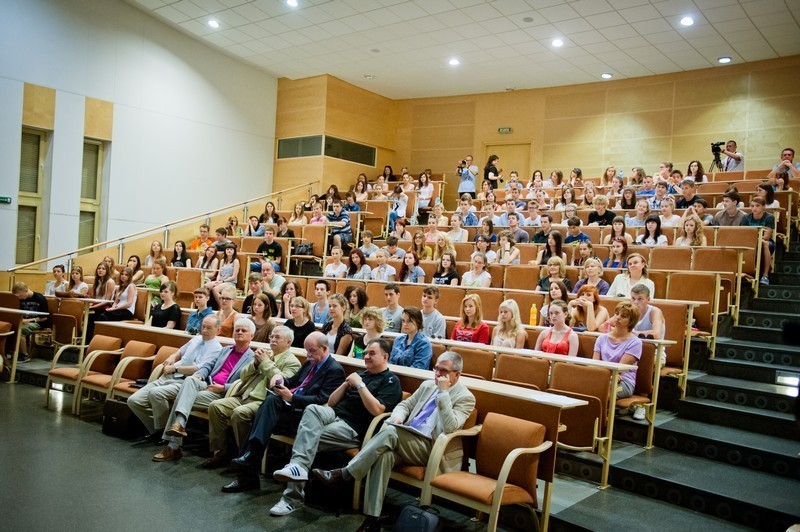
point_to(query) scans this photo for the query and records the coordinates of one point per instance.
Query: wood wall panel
(641, 125)
(565, 129)
(568, 105)
(774, 82)
(442, 136)
(38, 107)
(301, 107)
(361, 116)
(98, 121)
(711, 119)
(640, 98)
(460, 113)
(724, 88)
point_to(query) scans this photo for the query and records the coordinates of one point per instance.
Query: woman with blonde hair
(556, 271)
(636, 274)
(442, 246)
(156, 253)
(76, 286)
(372, 322)
(299, 320)
(418, 246)
(337, 331)
(471, 327)
(691, 232)
(298, 216)
(585, 310)
(509, 331)
(227, 314)
(592, 275)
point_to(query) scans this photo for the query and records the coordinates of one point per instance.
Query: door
(512, 157)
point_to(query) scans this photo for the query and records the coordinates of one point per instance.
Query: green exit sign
(5, 199)
(504, 130)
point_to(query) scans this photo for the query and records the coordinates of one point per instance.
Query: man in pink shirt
(208, 384)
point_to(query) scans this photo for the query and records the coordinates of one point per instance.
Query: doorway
(512, 157)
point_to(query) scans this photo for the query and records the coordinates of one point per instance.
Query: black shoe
(250, 460)
(242, 483)
(370, 524)
(330, 478)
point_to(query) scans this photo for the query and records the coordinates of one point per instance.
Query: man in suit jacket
(439, 406)
(319, 376)
(210, 382)
(237, 411)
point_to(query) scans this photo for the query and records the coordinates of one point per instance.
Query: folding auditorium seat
(478, 363)
(150, 367)
(518, 370)
(585, 424)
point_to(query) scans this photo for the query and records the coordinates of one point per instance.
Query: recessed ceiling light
(724, 60)
(375, 51)
(558, 43)
(454, 62)
(291, 3)
(369, 76)
(213, 23)
(687, 21)
(606, 75)
(527, 19)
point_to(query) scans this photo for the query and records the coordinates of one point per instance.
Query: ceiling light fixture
(213, 23)
(606, 75)
(454, 62)
(291, 3)
(687, 21)
(724, 60)
(369, 76)
(558, 43)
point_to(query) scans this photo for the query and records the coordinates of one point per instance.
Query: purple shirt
(224, 372)
(611, 352)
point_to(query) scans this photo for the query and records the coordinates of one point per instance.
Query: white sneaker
(291, 473)
(638, 412)
(281, 508)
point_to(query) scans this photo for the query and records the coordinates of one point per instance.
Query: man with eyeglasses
(151, 404)
(283, 407)
(209, 383)
(439, 406)
(237, 412)
(341, 423)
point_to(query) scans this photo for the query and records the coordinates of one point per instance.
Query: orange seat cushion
(632, 400)
(479, 489)
(413, 471)
(124, 386)
(666, 370)
(99, 379)
(65, 373)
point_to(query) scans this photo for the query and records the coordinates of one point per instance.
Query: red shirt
(477, 336)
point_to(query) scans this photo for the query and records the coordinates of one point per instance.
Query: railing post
(280, 202)
(244, 214)
(69, 266)
(166, 237)
(121, 252)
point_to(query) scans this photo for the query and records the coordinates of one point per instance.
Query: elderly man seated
(317, 379)
(209, 383)
(237, 412)
(342, 423)
(439, 406)
(151, 403)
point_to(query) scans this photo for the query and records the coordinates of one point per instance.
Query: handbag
(304, 248)
(415, 518)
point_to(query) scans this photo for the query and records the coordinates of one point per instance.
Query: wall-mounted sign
(5, 199)
(504, 130)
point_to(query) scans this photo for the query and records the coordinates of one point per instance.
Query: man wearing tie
(238, 411)
(319, 376)
(439, 406)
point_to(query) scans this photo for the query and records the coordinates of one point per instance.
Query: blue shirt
(581, 237)
(414, 275)
(470, 219)
(643, 192)
(467, 183)
(343, 217)
(352, 208)
(417, 354)
(320, 315)
(195, 320)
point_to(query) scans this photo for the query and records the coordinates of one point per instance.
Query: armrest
(157, 372)
(439, 446)
(509, 463)
(58, 354)
(373, 427)
(91, 357)
(234, 388)
(120, 369)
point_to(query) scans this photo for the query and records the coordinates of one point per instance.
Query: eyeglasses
(437, 369)
(226, 298)
(275, 337)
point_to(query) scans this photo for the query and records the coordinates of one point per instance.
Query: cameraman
(733, 161)
(468, 173)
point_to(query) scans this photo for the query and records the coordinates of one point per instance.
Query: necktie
(298, 389)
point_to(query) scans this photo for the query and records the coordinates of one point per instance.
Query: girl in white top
(477, 276)
(765, 191)
(124, 299)
(209, 262)
(156, 253)
(433, 231)
(336, 269)
(457, 233)
(383, 271)
(642, 211)
(438, 215)
(425, 191)
(59, 282)
(636, 274)
(692, 233)
(695, 172)
(618, 228)
(509, 331)
(482, 245)
(408, 185)
(76, 285)
(668, 216)
(652, 233)
(507, 251)
(298, 216)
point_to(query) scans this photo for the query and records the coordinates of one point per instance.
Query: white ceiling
(406, 44)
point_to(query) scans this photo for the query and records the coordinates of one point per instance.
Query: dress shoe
(242, 483)
(176, 430)
(370, 524)
(247, 462)
(168, 454)
(330, 478)
(220, 459)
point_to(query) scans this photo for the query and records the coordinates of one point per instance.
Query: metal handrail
(163, 227)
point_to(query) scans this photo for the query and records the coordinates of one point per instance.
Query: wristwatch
(360, 385)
